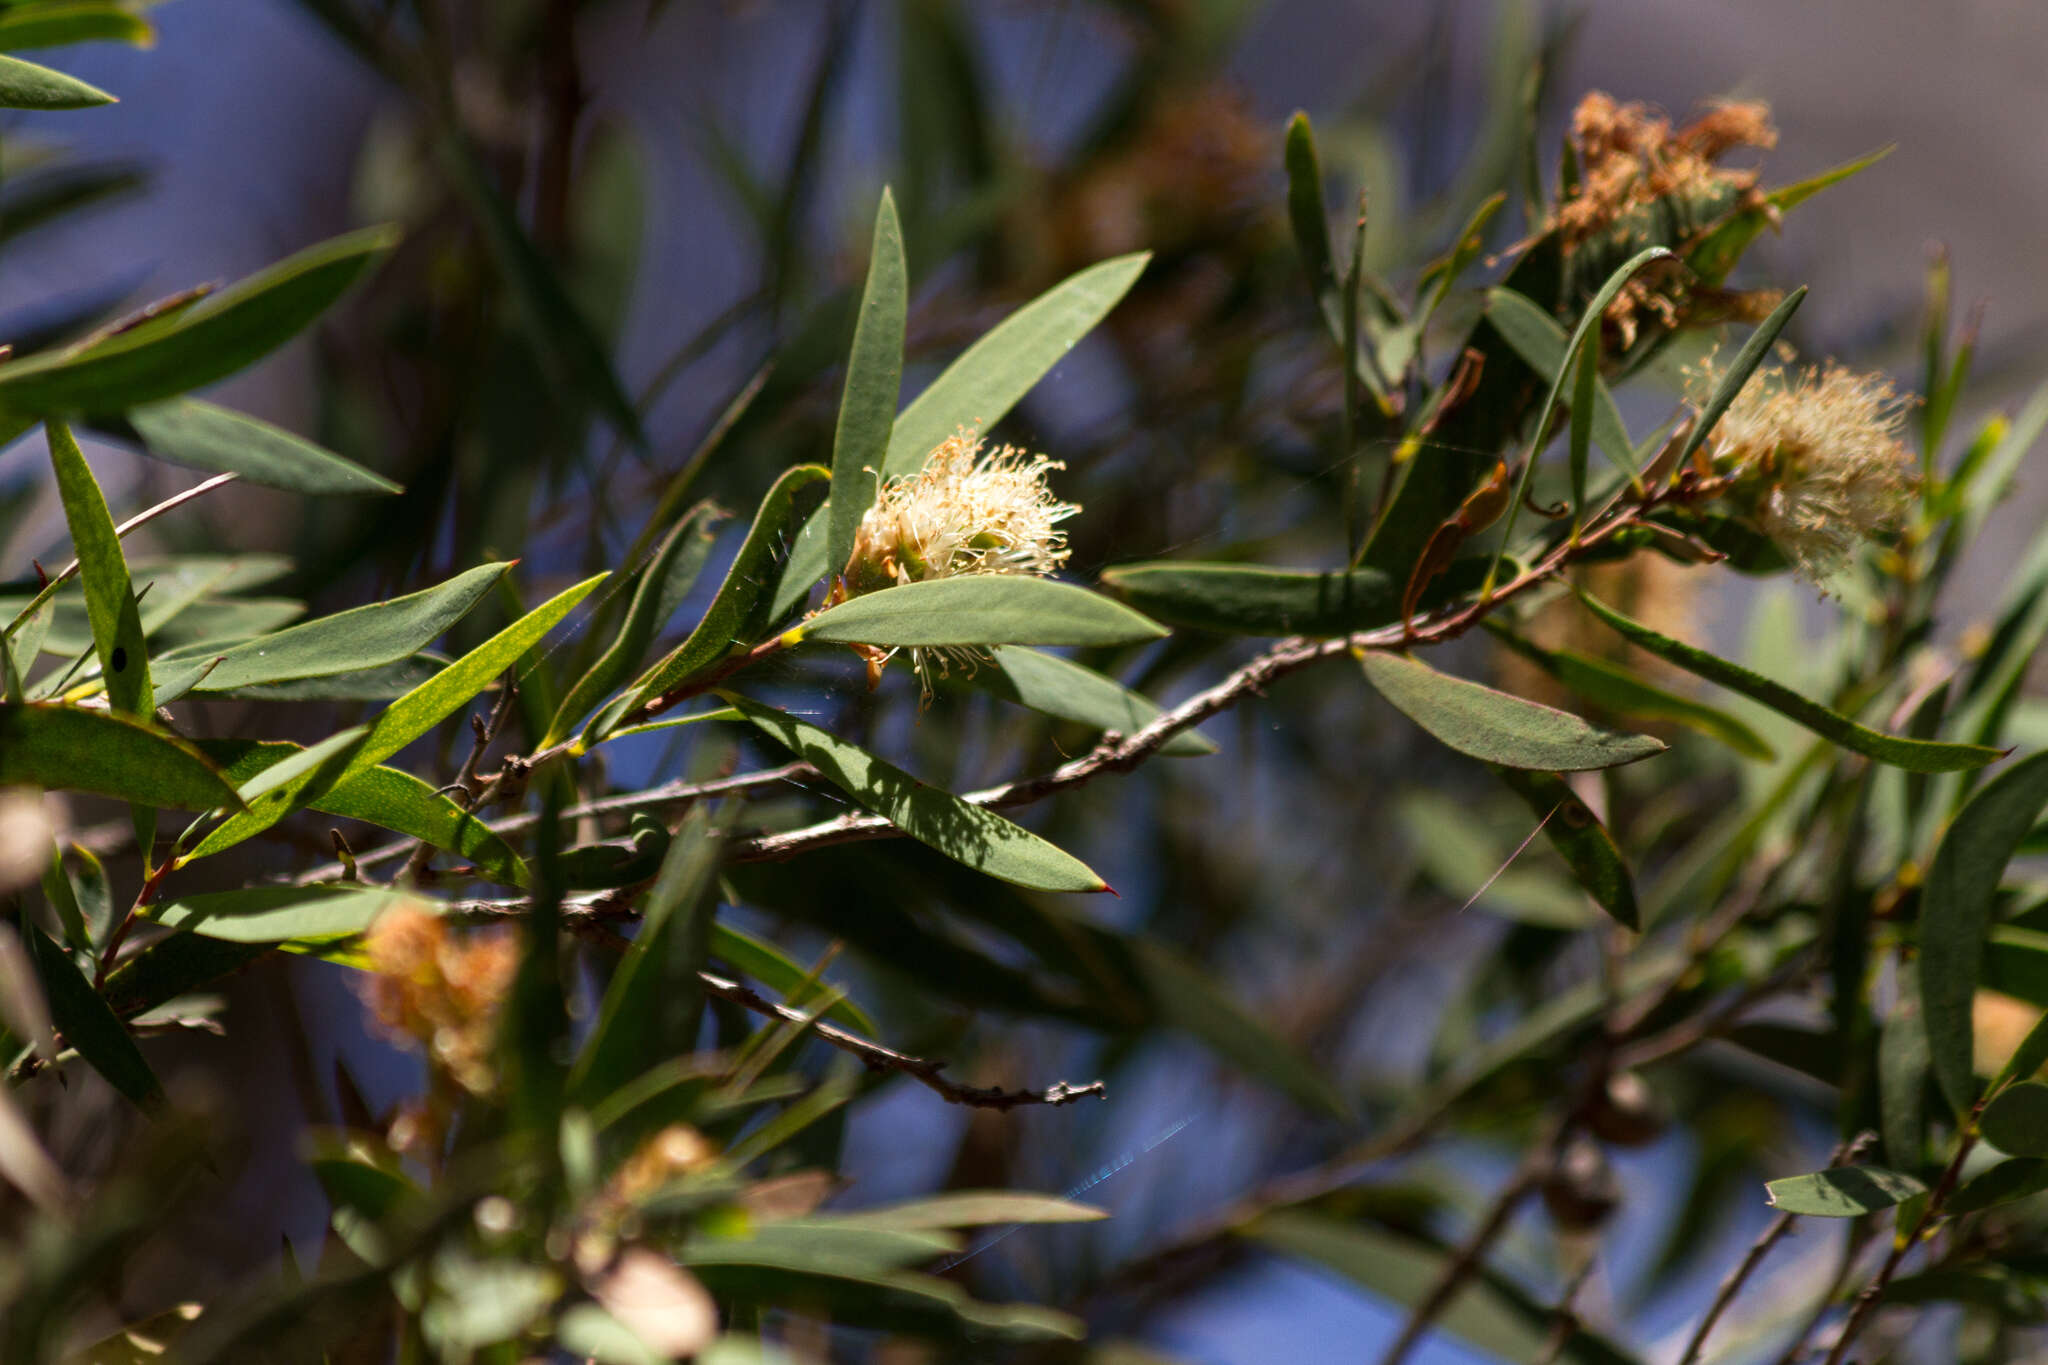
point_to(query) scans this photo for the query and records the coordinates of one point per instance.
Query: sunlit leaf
(1495, 726)
(1842, 1191)
(971, 834)
(874, 373)
(980, 609)
(25, 85)
(1059, 687)
(201, 435)
(70, 748)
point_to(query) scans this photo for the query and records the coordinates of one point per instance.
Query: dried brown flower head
(440, 990)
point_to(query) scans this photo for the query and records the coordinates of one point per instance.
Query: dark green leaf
(350, 641)
(971, 834)
(201, 435)
(1914, 755)
(1955, 914)
(980, 609)
(874, 376)
(774, 969)
(2016, 1119)
(2028, 1057)
(71, 748)
(217, 336)
(2001, 1184)
(1249, 599)
(1614, 687)
(1540, 342)
(724, 621)
(651, 1007)
(974, 1208)
(1577, 834)
(24, 85)
(87, 1024)
(1496, 727)
(1308, 215)
(1902, 1064)
(1062, 688)
(1842, 1191)
(109, 596)
(674, 567)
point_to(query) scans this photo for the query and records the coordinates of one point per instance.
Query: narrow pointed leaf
(1579, 837)
(210, 340)
(89, 1026)
(353, 640)
(71, 748)
(651, 1007)
(970, 834)
(1842, 1191)
(2016, 1119)
(731, 609)
(278, 914)
(1538, 339)
(109, 595)
(1060, 687)
(1250, 599)
(1956, 911)
(975, 1208)
(1496, 727)
(995, 372)
(1309, 216)
(1613, 686)
(2001, 1184)
(202, 435)
(774, 969)
(1914, 755)
(25, 27)
(25, 85)
(1745, 364)
(874, 375)
(669, 574)
(980, 609)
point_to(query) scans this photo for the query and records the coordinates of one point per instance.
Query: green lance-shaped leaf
(1842, 1191)
(776, 970)
(353, 640)
(995, 372)
(1249, 599)
(1589, 323)
(651, 1008)
(1956, 910)
(25, 85)
(71, 748)
(2027, 1058)
(1309, 216)
(1914, 755)
(967, 833)
(725, 621)
(674, 567)
(388, 798)
(874, 376)
(412, 715)
(980, 387)
(2001, 1184)
(1615, 687)
(979, 609)
(171, 354)
(63, 22)
(1740, 369)
(1540, 342)
(974, 1209)
(280, 914)
(1496, 727)
(1717, 252)
(2016, 1119)
(1577, 834)
(109, 595)
(1064, 689)
(1902, 1064)
(202, 435)
(87, 1023)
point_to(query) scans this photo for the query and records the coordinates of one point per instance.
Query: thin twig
(467, 795)
(1564, 1319)
(879, 1058)
(669, 794)
(1770, 1237)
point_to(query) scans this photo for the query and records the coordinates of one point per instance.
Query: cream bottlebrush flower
(968, 510)
(1818, 460)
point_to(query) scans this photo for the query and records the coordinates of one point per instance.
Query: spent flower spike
(969, 509)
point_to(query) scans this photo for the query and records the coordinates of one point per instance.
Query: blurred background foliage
(1306, 969)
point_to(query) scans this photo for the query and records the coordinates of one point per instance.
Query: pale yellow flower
(1819, 459)
(968, 510)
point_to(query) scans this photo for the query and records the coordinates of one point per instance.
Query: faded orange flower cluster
(439, 989)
